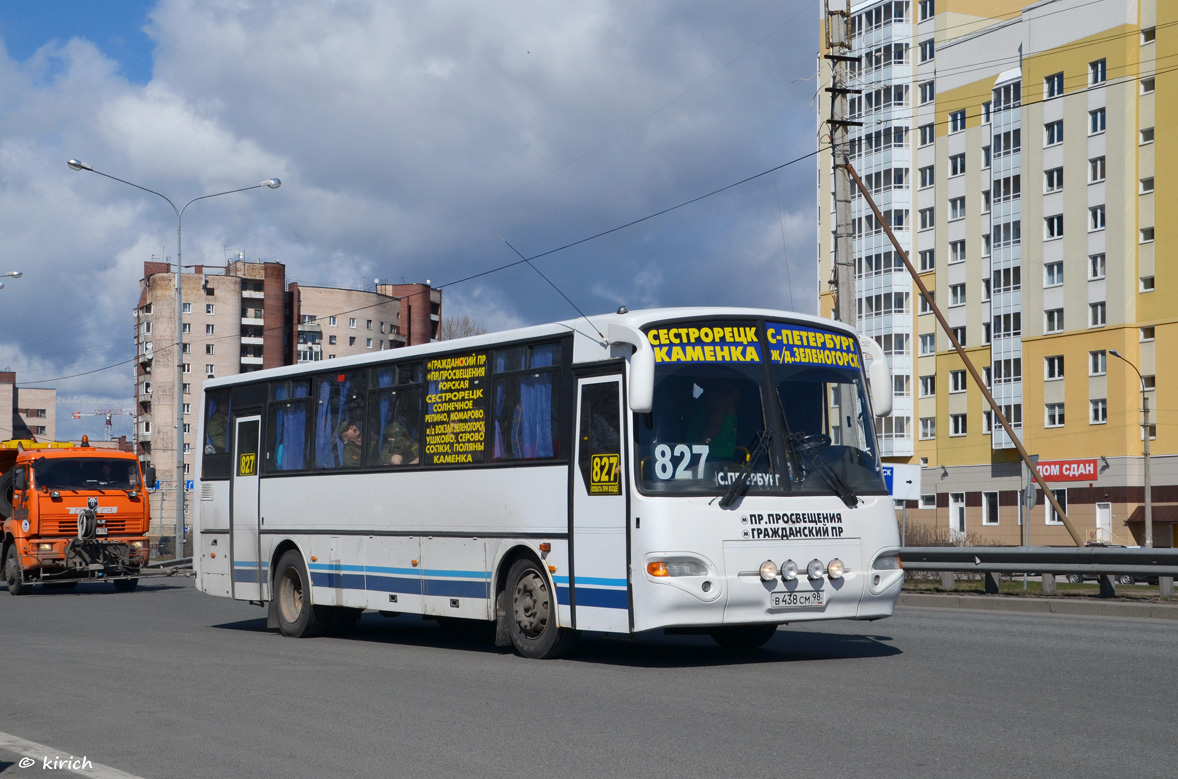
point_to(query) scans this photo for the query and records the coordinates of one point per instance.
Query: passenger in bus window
(714, 421)
(400, 448)
(349, 432)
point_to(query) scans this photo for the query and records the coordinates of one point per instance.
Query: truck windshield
(764, 407)
(86, 473)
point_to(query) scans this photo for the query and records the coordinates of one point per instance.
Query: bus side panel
(455, 579)
(337, 571)
(391, 581)
(213, 560)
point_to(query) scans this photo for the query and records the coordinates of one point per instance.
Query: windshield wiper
(843, 490)
(740, 483)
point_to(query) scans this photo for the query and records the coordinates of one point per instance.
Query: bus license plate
(785, 600)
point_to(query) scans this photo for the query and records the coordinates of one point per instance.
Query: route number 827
(676, 463)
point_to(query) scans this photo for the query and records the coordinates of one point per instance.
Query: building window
(956, 165)
(1147, 283)
(927, 9)
(985, 201)
(1053, 133)
(1053, 179)
(1053, 85)
(367, 343)
(1096, 218)
(956, 208)
(1147, 85)
(186, 387)
(1054, 415)
(331, 340)
(1098, 411)
(1146, 135)
(928, 386)
(957, 425)
(957, 121)
(1053, 227)
(186, 348)
(986, 109)
(331, 321)
(959, 334)
(187, 367)
(956, 251)
(956, 381)
(927, 48)
(927, 218)
(1146, 334)
(208, 369)
(1096, 266)
(925, 308)
(927, 178)
(927, 260)
(1096, 314)
(989, 508)
(352, 322)
(1053, 320)
(1096, 121)
(1061, 497)
(987, 422)
(928, 428)
(187, 469)
(209, 331)
(368, 325)
(187, 429)
(1096, 72)
(185, 327)
(1148, 35)
(985, 290)
(208, 348)
(187, 409)
(985, 157)
(1097, 363)
(927, 501)
(1146, 234)
(210, 308)
(1150, 381)
(1053, 274)
(956, 295)
(1007, 188)
(1147, 185)
(927, 134)
(928, 343)
(928, 91)
(1053, 367)
(986, 240)
(987, 376)
(187, 448)
(186, 308)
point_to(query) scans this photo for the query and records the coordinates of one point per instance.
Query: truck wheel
(531, 616)
(6, 494)
(743, 638)
(297, 617)
(13, 573)
(125, 585)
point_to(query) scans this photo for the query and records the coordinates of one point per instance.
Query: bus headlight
(815, 568)
(835, 569)
(789, 571)
(768, 571)
(887, 562)
(680, 567)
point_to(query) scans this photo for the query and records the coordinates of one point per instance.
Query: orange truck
(71, 513)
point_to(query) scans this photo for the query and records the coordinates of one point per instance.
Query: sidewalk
(1040, 604)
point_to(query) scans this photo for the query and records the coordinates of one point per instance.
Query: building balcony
(310, 327)
(252, 340)
(145, 357)
(252, 321)
(144, 437)
(144, 398)
(254, 294)
(251, 360)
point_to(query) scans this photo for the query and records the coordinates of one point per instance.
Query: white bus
(710, 470)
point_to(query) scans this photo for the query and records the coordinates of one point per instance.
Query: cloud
(409, 137)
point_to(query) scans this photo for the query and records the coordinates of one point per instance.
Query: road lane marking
(39, 754)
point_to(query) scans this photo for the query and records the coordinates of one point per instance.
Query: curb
(1040, 605)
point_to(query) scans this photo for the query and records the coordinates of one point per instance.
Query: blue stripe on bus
(591, 581)
(247, 575)
(595, 597)
(346, 581)
(393, 584)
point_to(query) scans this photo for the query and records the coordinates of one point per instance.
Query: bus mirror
(879, 377)
(641, 391)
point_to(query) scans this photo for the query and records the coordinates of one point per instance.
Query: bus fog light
(815, 568)
(835, 568)
(768, 571)
(887, 562)
(706, 586)
(789, 571)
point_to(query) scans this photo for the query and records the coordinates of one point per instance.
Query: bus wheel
(743, 637)
(13, 574)
(297, 618)
(125, 585)
(531, 619)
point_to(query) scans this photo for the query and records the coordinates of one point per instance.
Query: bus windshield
(759, 408)
(86, 473)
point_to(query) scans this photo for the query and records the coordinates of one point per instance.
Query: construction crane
(104, 412)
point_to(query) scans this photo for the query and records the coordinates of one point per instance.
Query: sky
(415, 140)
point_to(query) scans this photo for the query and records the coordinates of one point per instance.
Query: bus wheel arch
(527, 605)
(298, 616)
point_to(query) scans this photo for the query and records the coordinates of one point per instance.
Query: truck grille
(68, 526)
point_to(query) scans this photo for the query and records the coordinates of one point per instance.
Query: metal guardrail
(1047, 561)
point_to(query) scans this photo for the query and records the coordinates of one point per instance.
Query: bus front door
(598, 587)
(249, 572)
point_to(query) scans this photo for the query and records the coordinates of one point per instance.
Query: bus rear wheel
(743, 638)
(13, 573)
(531, 614)
(297, 617)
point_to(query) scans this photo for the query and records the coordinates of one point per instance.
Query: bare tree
(459, 327)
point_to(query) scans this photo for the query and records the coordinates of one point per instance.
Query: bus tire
(743, 638)
(297, 617)
(13, 573)
(125, 585)
(531, 614)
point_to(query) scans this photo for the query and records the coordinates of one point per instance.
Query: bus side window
(600, 423)
(527, 417)
(217, 414)
(286, 437)
(395, 419)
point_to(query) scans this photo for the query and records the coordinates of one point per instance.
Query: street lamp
(270, 183)
(12, 273)
(1145, 431)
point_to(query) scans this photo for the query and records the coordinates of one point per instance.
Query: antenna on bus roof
(566, 297)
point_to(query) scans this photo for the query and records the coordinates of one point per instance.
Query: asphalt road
(168, 682)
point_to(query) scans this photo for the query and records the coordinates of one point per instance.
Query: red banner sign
(1067, 470)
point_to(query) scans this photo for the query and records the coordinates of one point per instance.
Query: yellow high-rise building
(1019, 153)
